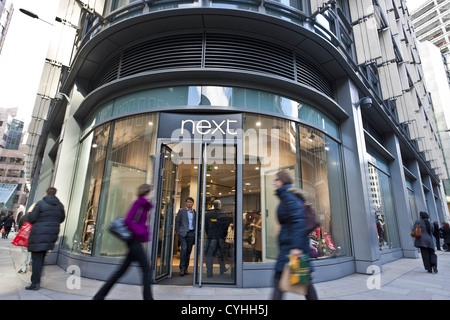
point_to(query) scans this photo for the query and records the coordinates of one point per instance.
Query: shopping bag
(21, 239)
(296, 275)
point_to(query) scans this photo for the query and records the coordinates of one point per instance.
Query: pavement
(403, 279)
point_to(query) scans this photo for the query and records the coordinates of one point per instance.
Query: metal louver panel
(234, 52)
(309, 75)
(181, 51)
(108, 73)
(215, 51)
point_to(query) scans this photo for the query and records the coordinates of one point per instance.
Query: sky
(25, 49)
(23, 55)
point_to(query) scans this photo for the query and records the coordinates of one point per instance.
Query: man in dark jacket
(46, 217)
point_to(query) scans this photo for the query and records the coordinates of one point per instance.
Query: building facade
(6, 12)
(209, 99)
(13, 188)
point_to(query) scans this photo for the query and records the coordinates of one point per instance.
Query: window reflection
(313, 160)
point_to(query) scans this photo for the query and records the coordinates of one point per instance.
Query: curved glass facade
(122, 150)
(213, 96)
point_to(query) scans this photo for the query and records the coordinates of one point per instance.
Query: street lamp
(33, 15)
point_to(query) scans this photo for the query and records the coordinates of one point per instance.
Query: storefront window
(322, 179)
(313, 160)
(121, 158)
(84, 237)
(383, 205)
(129, 164)
(269, 146)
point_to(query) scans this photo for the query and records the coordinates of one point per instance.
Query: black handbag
(118, 228)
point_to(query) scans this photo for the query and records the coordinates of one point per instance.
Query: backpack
(310, 218)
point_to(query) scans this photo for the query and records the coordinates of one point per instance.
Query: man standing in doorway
(46, 217)
(185, 227)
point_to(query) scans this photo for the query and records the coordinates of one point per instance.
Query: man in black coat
(46, 217)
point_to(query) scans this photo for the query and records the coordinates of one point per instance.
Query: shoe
(435, 269)
(21, 271)
(32, 287)
(182, 273)
(223, 271)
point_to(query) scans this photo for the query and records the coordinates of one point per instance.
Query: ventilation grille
(219, 51)
(233, 52)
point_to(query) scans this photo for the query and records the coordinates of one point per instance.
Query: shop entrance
(205, 171)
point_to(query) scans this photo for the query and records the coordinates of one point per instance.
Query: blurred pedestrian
(25, 257)
(437, 235)
(135, 220)
(292, 239)
(446, 235)
(46, 217)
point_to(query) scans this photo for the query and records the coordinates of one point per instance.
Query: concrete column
(401, 199)
(362, 224)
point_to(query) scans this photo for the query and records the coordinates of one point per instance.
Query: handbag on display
(21, 239)
(417, 232)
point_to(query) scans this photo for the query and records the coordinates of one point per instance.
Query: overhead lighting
(258, 124)
(311, 137)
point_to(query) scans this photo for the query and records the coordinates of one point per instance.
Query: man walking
(185, 227)
(46, 217)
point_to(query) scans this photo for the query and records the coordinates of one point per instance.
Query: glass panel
(167, 188)
(70, 241)
(322, 180)
(264, 101)
(219, 258)
(84, 237)
(382, 204)
(269, 145)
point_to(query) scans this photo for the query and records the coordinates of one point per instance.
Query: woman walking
(292, 239)
(425, 243)
(136, 221)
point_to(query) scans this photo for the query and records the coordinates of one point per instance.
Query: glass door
(217, 254)
(213, 187)
(165, 204)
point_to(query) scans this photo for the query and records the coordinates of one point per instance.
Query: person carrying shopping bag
(135, 220)
(293, 238)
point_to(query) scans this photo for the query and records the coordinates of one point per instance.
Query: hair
(446, 226)
(51, 191)
(284, 177)
(144, 189)
(425, 217)
(217, 204)
(190, 198)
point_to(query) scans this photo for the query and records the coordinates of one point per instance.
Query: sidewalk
(404, 279)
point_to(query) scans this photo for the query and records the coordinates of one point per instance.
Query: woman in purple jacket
(135, 220)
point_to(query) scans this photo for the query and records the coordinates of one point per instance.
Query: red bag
(21, 238)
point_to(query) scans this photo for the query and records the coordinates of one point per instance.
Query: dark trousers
(278, 294)
(37, 265)
(429, 258)
(186, 244)
(214, 246)
(135, 253)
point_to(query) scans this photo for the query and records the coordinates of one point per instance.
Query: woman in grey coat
(426, 243)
